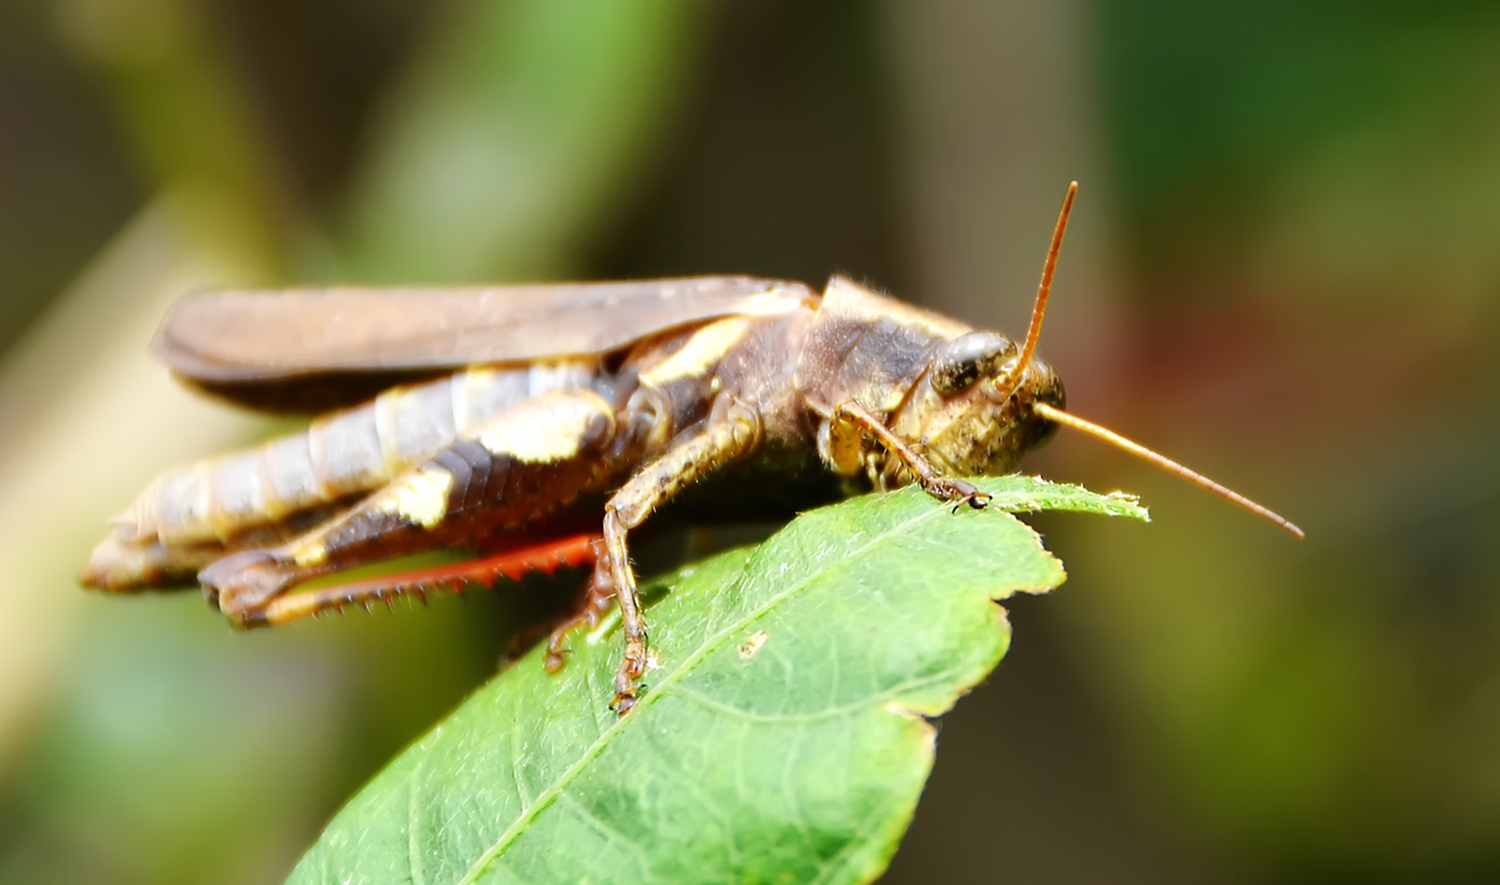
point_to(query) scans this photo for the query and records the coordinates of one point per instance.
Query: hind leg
(522, 464)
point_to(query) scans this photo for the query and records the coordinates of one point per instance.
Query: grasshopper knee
(241, 584)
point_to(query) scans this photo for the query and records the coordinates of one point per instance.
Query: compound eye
(967, 358)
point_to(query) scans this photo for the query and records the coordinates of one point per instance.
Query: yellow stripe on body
(419, 497)
(546, 429)
(308, 553)
(700, 353)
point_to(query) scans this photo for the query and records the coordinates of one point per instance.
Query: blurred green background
(1284, 270)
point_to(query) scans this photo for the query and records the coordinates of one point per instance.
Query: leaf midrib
(546, 796)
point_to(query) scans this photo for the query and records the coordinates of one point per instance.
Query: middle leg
(732, 431)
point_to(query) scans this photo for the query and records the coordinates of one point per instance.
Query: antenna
(1007, 385)
(1052, 413)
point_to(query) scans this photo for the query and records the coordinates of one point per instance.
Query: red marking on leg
(517, 560)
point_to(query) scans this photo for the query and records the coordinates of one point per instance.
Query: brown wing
(310, 349)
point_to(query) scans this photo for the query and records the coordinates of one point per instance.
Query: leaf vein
(789, 791)
(894, 692)
(711, 644)
(840, 858)
(588, 816)
(672, 766)
(413, 850)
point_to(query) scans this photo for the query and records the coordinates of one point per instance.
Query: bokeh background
(1283, 269)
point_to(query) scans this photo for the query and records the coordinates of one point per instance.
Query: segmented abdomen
(352, 451)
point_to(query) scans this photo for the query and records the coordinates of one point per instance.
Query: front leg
(852, 422)
(732, 431)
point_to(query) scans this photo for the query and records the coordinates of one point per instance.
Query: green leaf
(782, 737)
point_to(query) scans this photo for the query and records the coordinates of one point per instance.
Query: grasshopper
(488, 418)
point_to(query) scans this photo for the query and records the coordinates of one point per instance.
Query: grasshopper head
(982, 402)
(971, 413)
(974, 411)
